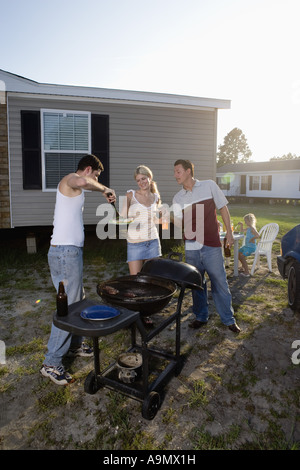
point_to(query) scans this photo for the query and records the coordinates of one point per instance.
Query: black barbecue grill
(134, 296)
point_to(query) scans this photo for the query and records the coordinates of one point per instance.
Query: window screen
(66, 139)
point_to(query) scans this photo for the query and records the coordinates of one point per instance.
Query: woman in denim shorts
(142, 206)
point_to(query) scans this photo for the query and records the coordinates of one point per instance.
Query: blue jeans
(66, 264)
(210, 260)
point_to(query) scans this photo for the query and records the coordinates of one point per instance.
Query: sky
(245, 51)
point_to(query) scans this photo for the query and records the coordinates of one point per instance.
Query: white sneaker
(57, 374)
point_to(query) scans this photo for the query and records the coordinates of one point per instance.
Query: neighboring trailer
(275, 180)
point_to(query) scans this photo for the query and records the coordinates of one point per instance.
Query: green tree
(288, 156)
(235, 149)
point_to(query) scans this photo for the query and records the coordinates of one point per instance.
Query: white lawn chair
(267, 235)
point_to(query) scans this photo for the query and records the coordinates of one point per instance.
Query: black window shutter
(270, 183)
(251, 183)
(100, 143)
(31, 149)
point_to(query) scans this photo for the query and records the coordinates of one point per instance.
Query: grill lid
(182, 273)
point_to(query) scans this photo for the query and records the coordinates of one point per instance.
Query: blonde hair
(144, 170)
(251, 218)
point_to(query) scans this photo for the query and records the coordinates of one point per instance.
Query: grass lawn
(285, 215)
(234, 391)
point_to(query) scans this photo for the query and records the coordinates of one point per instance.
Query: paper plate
(99, 312)
(120, 221)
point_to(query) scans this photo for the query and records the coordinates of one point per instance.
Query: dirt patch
(234, 391)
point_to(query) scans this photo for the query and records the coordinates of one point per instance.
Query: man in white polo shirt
(195, 206)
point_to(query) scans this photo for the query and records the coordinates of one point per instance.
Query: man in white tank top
(65, 258)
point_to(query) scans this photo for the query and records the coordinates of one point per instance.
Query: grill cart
(128, 299)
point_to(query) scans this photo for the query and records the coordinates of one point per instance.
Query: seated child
(250, 242)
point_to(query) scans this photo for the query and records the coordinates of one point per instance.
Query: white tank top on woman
(143, 227)
(68, 221)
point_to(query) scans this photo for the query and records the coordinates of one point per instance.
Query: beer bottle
(227, 253)
(61, 301)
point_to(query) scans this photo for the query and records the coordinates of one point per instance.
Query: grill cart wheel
(91, 384)
(151, 405)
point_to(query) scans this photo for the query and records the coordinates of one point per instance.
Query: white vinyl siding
(66, 138)
(151, 135)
